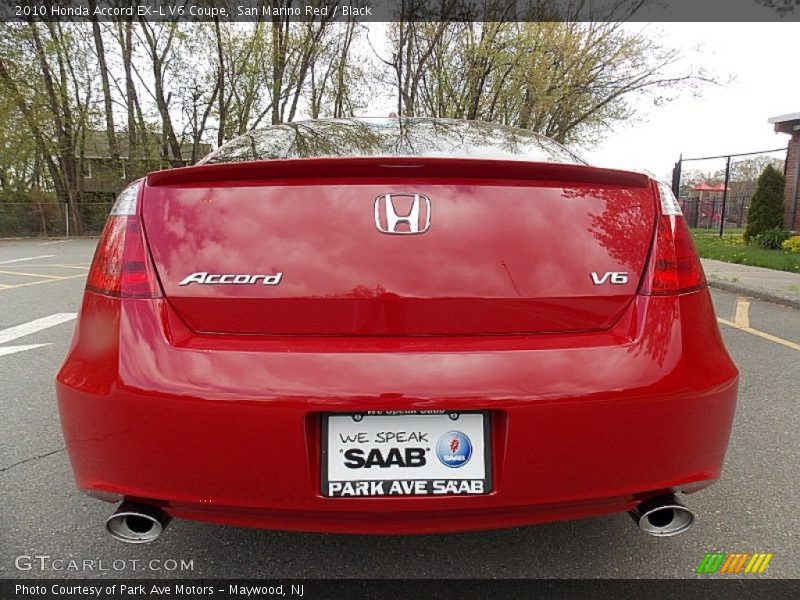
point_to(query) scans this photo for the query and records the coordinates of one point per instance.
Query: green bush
(771, 239)
(766, 207)
(29, 213)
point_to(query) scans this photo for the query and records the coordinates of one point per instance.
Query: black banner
(463, 589)
(407, 10)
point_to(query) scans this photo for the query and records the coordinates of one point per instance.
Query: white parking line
(16, 260)
(84, 267)
(25, 274)
(18, 331)
(56, 242)
(5, 350)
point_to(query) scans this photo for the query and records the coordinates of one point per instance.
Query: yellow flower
(792, 244)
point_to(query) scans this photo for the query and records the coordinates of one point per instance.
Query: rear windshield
(392, 137)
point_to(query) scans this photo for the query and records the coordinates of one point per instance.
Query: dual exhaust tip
(137, 523)
(663, 516)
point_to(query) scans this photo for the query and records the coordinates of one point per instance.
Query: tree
(111, 134)
(20, 169)
(44, 71)
(337, 73)
(766, 207)
(124, 36)
(412, 46)
(570, 80)
(159, 41)
(745, 173)
(176, 85)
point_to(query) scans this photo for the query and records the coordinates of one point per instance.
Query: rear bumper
(227, 429)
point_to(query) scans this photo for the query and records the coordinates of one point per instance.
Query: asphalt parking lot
(755, 507)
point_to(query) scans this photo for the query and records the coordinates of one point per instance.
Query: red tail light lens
(674, 266)
(121, 265)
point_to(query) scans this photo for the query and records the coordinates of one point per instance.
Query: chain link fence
(49, 219)
(715, 192)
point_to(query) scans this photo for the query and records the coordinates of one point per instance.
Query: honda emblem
(416, 220)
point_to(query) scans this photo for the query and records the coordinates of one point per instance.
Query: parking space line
(6, 350)
(761, 334)
(34, 274)
(25, 259)
(86, 267)
(18, 331)
(55, 242)
(19, 285)
(742, 317)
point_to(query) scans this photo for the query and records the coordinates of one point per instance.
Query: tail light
(674, 266)
(121, 265)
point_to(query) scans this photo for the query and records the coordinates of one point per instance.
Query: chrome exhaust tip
(136, 523)
(663, 516)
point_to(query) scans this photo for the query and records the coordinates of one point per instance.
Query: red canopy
(704, 187)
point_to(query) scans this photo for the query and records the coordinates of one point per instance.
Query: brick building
(791, 124)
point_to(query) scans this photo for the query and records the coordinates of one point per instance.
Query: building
(791, 124)
(103, 179)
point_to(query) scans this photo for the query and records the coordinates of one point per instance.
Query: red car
(395, 326)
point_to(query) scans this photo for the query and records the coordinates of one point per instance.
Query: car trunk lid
(497, 247)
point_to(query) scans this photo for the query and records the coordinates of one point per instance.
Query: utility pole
(676, 177)
(725, 196)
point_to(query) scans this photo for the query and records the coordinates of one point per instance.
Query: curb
(754, 292)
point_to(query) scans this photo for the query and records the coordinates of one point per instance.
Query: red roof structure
(704, 187)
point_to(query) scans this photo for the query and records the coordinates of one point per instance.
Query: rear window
(392, 137)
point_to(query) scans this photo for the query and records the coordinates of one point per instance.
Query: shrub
(766, 207)
(30, 213)
(771, 239)
(792, 244)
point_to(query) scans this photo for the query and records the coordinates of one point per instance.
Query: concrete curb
(754, 292)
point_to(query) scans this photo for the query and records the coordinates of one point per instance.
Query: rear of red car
(395, 343)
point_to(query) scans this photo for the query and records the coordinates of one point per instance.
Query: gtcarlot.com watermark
(45, 562)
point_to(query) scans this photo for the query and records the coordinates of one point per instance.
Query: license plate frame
(444, 480)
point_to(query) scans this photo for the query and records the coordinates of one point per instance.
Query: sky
(731, 118)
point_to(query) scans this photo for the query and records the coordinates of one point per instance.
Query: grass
(731, 248)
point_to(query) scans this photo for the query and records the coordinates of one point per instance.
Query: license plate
(406, 454)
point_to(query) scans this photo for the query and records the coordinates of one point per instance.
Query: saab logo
(454, 449)
(204, 278)
(614, 277)
(734, 563)
(412, 457)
